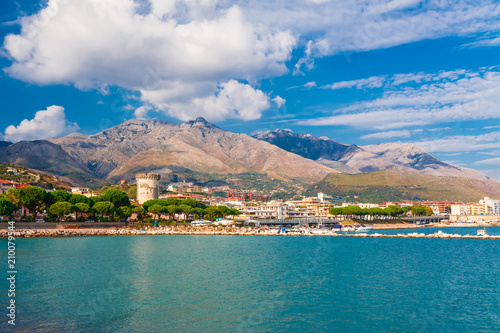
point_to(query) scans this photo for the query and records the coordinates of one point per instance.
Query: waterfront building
(460, 209)
(492, 206)
(478, 209)
(148, 185)
(438, 207)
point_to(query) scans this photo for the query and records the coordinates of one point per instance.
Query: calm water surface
(255, 284)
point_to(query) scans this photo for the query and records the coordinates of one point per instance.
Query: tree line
(112, 205)
(391, 211)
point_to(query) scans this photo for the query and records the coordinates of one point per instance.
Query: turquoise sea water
(255, 284)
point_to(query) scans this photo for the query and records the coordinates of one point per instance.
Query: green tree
(428, 210)
(234, 211)
(81, 207)
(117, 197)
(33, 198)
(211, 213)
(157, 210)
(224, 210)
(375, 211)
(60, 195)
(173, 209)
(418, 210)
(105, 208)
(186, 209)
(152, 202)
(353, 211)
(393, 211)
(78, 198)
(6, 207)
(61, 208)
(336, 211)
(193, 203)
(122, 213)
(139, 211)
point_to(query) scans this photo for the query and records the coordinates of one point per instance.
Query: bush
(29, 219)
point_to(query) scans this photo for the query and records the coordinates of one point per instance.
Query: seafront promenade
(227, 231)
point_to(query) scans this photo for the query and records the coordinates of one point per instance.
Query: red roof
(6, 182)
(22, 186)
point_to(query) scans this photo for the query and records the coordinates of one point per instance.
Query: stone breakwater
(26, 233)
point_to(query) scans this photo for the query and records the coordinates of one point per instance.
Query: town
(188, 201)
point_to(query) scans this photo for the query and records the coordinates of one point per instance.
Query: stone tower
(147, 186)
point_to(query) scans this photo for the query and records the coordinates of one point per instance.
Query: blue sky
(361, 72)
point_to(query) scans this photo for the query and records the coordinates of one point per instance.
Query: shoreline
(231, 231)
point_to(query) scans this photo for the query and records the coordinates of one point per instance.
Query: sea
(254, 284)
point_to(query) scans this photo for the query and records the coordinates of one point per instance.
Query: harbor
(246, 231)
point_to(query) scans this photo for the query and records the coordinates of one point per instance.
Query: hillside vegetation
(397, 185)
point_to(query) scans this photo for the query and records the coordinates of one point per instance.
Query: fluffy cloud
(448, 97)
(231, 100)
(178, 54)
(279, 101)
(46, 124)
(142, 112)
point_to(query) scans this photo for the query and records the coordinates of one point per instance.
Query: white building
(492, 206)
(460, 209)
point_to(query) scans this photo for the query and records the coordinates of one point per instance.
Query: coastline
(236, 231)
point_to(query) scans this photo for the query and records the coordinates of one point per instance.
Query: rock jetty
(243, 231)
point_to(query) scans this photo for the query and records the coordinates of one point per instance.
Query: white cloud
(232, 100)
(387, 135)
(489, 161)
(392, 134)
(142, 112)
(175, 57)
(177, 52)
(462, 143)
(448, 97)
(485, 42)
(371, 82)
(46, 124)
(279, 101)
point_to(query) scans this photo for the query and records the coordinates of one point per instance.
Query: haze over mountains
(198, 146)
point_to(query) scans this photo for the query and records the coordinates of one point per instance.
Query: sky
(357, 71)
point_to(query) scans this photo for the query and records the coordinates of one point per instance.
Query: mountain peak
(201, 120)
(198, 122)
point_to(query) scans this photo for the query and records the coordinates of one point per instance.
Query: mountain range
(201, 148)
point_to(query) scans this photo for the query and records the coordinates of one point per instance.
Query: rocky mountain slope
(353, 159)
(154, 145)
(46, 156)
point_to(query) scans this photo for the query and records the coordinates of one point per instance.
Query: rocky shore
(125, 231)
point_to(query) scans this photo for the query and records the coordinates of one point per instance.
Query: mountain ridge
(360, 159)
(198, 148)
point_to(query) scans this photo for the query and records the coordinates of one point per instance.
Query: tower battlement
(147, 186)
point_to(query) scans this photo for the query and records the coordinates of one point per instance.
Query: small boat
(363, 228)
(481, 232)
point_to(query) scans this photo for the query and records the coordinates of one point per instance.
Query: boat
(200, 222)
(481, 232)
(363, 228)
